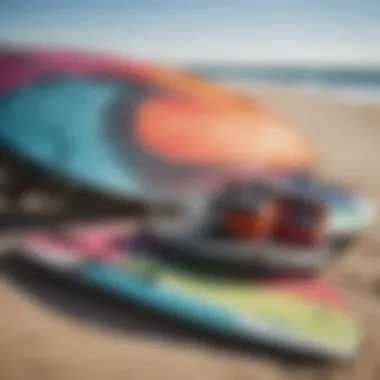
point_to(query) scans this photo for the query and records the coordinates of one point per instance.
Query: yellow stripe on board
(304, 317)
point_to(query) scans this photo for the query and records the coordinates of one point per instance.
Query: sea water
(358, 82)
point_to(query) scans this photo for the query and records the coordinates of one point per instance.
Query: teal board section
(199, 312)
(177, 304)
(149, 293)
(59, 123)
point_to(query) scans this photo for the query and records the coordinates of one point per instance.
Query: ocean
(359, 83)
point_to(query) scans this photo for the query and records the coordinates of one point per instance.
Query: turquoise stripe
(124, 284)
(38, 119)
(168, 301)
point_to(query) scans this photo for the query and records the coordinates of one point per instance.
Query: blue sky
(301, 31)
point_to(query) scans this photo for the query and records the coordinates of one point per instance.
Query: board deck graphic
(142, 131)
(121, 125)
(306, 316)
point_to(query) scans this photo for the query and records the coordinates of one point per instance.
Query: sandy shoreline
(38, 343)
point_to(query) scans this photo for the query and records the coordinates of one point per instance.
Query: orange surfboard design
(177, 127)
(195, 132)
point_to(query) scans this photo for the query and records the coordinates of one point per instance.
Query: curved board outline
(22, 68)
(109, 92)
(306, 316)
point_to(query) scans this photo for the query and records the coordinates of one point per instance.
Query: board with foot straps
(113, 129)
(245, 227)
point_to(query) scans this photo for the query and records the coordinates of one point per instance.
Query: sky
(203, 31)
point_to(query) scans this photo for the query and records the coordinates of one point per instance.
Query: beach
(37, 342)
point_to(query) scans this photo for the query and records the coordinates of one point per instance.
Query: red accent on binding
(251, 224)
(308, 233)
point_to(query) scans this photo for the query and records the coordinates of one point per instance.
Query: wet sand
(37, 342)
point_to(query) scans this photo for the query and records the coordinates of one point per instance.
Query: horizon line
(192, 63)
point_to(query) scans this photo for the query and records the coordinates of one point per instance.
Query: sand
(37, 342)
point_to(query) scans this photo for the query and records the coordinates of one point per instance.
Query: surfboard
(125, 126)
(309, 317)
(138, 130)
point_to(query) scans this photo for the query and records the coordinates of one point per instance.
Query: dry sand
(39, 343)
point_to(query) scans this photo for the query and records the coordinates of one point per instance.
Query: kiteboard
(124, 126)
(308, 317)
(136, 130)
